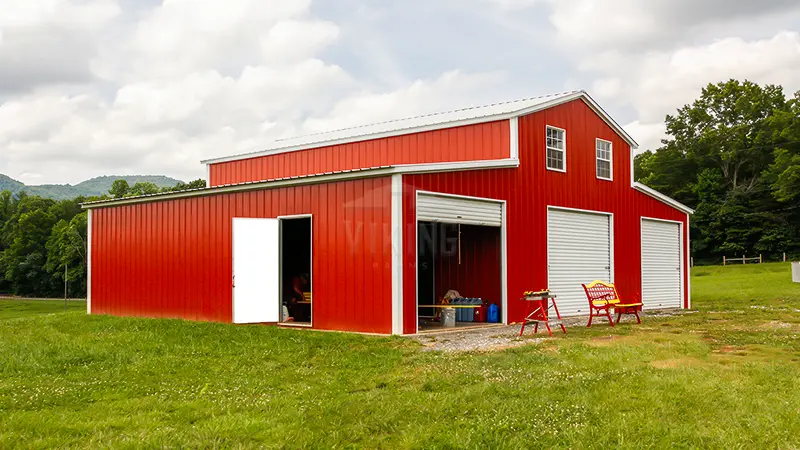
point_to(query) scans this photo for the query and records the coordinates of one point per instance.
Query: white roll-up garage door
(467, 211)
(662, 252)
(578, 252)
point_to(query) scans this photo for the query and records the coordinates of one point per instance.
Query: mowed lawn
(725, 376)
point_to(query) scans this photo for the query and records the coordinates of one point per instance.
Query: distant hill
(94, 186)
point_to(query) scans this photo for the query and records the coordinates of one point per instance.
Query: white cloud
(64, 13)
(637, 24)
(50, 41)
(657, 83)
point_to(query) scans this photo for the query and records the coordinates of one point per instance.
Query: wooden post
(760, 261)
(744, 259)
(784, 256)
(724, 263)
(691, 261)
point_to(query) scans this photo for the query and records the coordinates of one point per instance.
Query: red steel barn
(373, 224)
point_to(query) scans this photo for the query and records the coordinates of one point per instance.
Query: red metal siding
(173, 258)
(473, 142)
(531, 188)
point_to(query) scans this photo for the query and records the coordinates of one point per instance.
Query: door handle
(233, 281)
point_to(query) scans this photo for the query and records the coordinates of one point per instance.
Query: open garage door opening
(459, 260)
(296, 276)
(459, 265)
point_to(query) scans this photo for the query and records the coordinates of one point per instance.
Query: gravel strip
(501, 337)
(475, 339)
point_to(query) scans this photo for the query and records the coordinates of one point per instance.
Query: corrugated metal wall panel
(173, 258)
(437, 208)
(531, 188)
(475, 142)
(661, 264)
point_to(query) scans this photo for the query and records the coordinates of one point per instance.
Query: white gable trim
(661, 197)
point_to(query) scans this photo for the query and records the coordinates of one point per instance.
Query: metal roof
(449, 119)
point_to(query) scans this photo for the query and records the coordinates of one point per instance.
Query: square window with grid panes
(556, 148)
(603, 149)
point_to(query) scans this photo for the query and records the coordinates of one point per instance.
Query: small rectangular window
(556, 149)
(603, 149)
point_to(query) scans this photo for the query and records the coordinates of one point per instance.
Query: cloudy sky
(101, 87)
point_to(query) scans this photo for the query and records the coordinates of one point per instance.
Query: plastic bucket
(448, 317)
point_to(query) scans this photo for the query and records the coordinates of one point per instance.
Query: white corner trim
(688, 264)
(504, 266)
(513, 131)
(661, 197)
(397, 253)
(313, 179)
(208, 175)
(89, 262)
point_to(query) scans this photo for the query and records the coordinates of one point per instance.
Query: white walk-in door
(578, 252)
(662, 280)
(256, 270)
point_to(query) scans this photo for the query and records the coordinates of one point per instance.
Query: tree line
(734, 156)
(42, 240)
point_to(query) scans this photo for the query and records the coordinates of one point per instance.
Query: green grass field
(726, 376)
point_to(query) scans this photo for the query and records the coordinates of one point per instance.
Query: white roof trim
(430, 124)
(344, 175)
(661, 197)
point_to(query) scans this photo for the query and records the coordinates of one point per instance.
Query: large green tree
(734, 155)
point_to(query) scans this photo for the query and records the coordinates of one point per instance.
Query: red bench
(603, 296)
